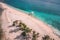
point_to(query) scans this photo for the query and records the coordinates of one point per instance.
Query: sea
(47, 11)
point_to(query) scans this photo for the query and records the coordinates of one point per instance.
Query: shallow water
(45, 11)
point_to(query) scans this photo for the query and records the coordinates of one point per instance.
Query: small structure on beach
(31, 13)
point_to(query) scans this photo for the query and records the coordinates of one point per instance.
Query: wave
(55, 31)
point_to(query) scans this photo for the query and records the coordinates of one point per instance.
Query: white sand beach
(10, 14)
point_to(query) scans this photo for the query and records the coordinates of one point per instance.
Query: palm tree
(13, 23)
(46, 37)
(35, 35)
(25, 29)
(23, 33)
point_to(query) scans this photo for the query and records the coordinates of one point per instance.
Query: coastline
(56, 31)
(38, 22)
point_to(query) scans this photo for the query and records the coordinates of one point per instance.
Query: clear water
(47, 13)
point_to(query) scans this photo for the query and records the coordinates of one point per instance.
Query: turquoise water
(50, 16)
(53, 20)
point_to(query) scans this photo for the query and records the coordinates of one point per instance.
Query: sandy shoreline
(33, 23)
(56, 31)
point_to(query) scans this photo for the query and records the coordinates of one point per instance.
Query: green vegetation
(35, 35)
(26, 30)
(22, 26)
(14, 23)
(46, 37)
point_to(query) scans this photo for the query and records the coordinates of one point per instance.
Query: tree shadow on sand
(15, 30)
(22, 36)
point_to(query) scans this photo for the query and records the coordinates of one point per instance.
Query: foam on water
(55, 30)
